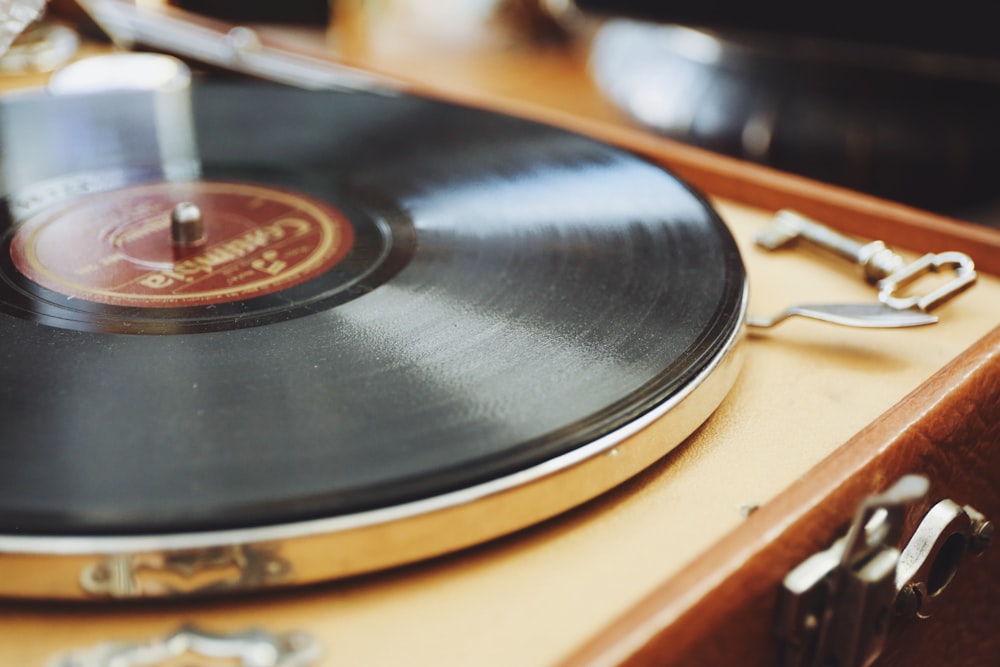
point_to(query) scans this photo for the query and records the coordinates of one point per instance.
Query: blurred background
(902, 107)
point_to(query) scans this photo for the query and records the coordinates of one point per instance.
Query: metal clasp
(835, 607)
(947, 534)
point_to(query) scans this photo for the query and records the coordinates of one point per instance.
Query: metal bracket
(212, 570)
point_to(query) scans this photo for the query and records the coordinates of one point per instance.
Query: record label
(116, 248)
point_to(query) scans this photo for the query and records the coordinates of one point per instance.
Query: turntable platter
(505, 302)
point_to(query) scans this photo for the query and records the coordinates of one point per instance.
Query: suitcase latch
(835, 608)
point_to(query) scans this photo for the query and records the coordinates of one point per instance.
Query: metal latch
(835, 608)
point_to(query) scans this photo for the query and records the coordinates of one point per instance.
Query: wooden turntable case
(682, 564)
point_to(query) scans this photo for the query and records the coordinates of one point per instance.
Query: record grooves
(512, 303)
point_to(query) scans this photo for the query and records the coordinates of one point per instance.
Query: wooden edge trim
(720, 609)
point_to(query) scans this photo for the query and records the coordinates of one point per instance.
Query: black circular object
(520, 300)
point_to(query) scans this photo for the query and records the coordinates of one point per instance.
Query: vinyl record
(411, 326)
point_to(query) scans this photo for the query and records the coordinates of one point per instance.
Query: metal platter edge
(276, 556)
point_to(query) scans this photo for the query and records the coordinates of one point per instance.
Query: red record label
(116, 247)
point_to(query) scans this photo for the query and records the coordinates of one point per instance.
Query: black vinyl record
(491, 297)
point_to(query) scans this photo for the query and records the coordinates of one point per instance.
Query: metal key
(881, 266)
(874, 258)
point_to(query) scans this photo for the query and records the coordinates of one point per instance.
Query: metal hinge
(835, 608)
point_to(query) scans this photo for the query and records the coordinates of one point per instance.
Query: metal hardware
(965, 277)
(116, 72)
(15, 17)
(880, 265)
(947, 533)
(982, 532)
(254, 648)
(184, 573)
(41, 48)
(864, 315)
(233, 48)
(187, 225)
(874, 258)
(834, 608)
